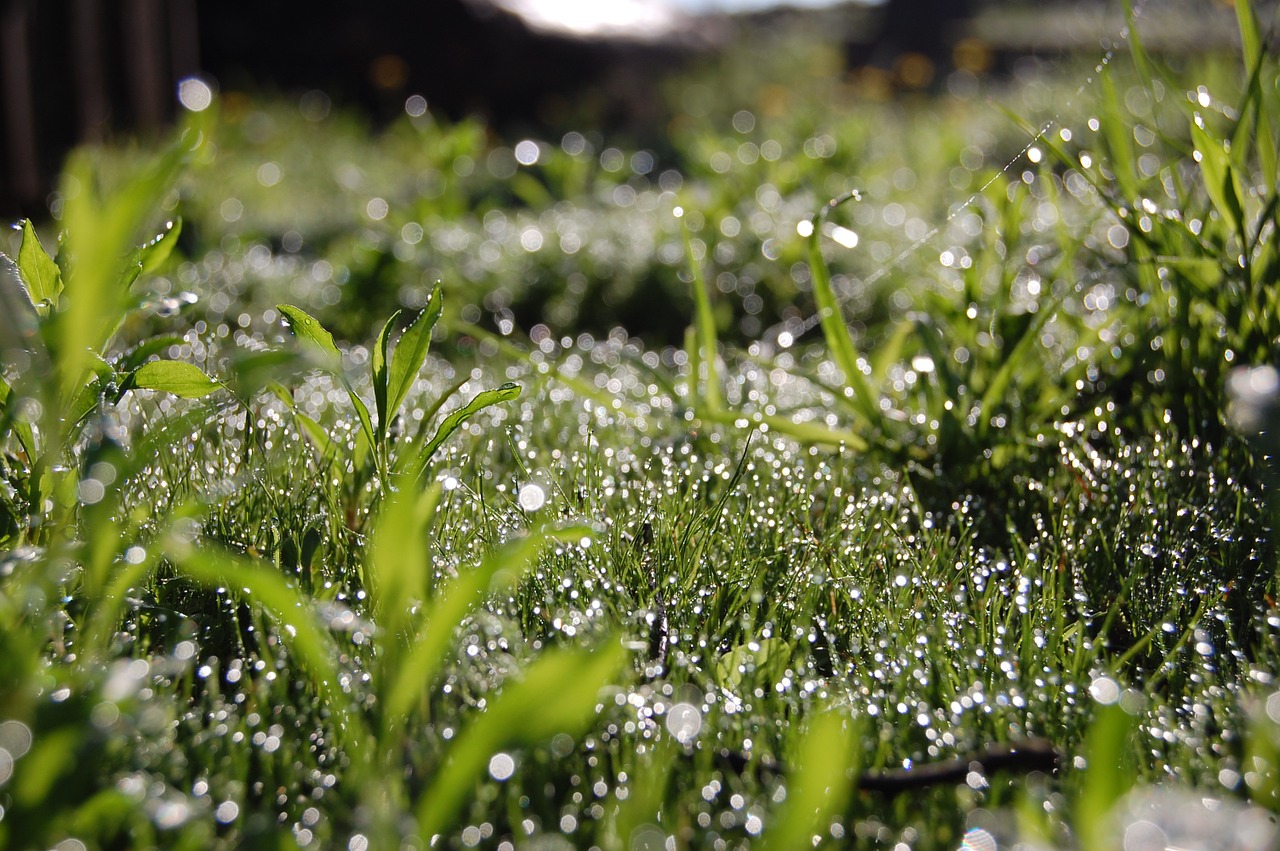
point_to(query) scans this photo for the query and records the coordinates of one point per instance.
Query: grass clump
(982, 567)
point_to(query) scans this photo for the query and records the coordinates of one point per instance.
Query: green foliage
(649, 596)
(394, 374)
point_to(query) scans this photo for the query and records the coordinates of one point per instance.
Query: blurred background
(74, 71)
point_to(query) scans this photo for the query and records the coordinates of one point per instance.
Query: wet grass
(982, 565)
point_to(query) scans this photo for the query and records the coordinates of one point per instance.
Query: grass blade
(313, 335)
(839, 340)
(152, 256)
(410, 681)
(705, 324)
(826, 764)
(1221, 182)
(482, 400)
(558, 693)
(380, 350)
(411, 353)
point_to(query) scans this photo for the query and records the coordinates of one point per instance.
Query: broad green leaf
(39, 270)
(762, 661)
(826, 763)
(176, 377)
(40, 274)
(558, 693)
(482, 400)
(309, 330)
(411, 352)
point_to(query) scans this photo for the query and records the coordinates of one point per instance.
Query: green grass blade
(291, 610)
(170, 376)
(825, 766)
(314, 337)
(1221, 182)
(1141, 58)
(399, 566)
(312, 334)
(1116, 127)
(482, 400)
(413, 677)
(705, 323)
(1017, 359)
(380, 349)
(148, 349)
(558, 693)
(366, 423)
(411, 353)
(101, 228)
(1250, 38)
(318, 436)
(843, 350)
(151, 257)
(1106, 776)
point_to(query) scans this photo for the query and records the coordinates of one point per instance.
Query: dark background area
(74, 71)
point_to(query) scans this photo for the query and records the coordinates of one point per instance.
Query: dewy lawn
(432, 489)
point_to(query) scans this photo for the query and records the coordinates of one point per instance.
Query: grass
(635, 595)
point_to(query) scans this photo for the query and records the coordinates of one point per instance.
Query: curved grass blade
(309, 330)
(559, 693)
(826, 765)
(840, 341)
(147, 349)
(314, 336)
(292, 612)
(151, 257)
(482, 400)
(410, 680)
